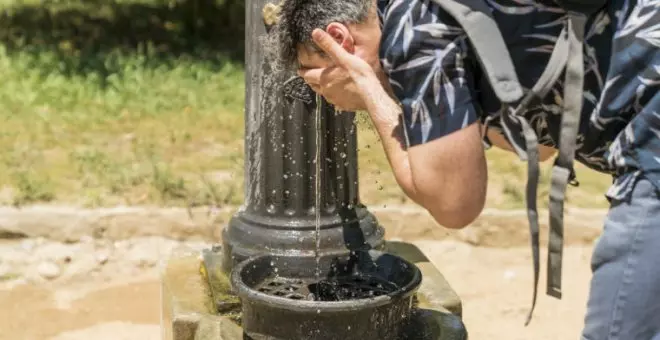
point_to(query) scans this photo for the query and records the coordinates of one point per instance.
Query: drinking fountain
(266, 279)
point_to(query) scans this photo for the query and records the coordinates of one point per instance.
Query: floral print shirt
(436, 77)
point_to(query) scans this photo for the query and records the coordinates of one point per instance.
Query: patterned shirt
(435, 75)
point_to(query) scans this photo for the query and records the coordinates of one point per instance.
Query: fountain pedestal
(279, 213)
(198, 303)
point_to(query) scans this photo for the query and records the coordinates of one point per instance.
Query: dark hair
(299, 18)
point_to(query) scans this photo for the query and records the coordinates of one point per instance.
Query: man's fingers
(324, 41)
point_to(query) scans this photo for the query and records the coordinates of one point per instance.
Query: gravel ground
(96, 289)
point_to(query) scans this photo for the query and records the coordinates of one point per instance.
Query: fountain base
(198, 302)
(366, 295)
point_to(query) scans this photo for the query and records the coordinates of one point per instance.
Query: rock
(102, 257)
(470, 235)
(28, 245)
(49, 270)
(55, 252)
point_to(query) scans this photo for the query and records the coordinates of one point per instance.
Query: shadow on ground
(84, 35)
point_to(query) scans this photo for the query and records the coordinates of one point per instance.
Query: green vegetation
(141, 102)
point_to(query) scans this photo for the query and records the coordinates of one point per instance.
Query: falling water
(317, 186)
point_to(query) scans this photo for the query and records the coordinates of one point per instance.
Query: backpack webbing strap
(482, 30)
(561, 172)
(555, 67)
(531, 140)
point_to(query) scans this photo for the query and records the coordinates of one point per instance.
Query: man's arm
(447, 176)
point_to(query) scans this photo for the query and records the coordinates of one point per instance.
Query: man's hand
(336, 86)
(348, 83)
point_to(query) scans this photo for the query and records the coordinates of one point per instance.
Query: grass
(141, 102)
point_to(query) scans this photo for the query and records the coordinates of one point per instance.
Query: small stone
(28, 245)
(102, 258)
(49, 270)
(55, 252)
(470, 235)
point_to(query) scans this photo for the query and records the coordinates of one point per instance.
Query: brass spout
(271, 13)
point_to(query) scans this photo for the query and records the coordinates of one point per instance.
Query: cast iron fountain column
(278, 215)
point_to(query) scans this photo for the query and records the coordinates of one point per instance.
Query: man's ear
(342, 36)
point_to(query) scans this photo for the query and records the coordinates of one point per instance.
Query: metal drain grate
(287, 288)
(336, 289)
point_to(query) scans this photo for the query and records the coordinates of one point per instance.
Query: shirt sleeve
(425, 54)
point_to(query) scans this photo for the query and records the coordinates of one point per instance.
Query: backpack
(476, 19)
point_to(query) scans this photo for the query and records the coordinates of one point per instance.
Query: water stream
(317, 185)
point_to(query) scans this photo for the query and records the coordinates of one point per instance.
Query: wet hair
(299, 18)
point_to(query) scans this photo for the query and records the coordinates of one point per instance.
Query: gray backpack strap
(546, 81)
(480, 26)
(561, 172)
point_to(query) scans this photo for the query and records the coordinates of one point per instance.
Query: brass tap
(271, 13)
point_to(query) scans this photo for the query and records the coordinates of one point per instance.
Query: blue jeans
(624, 301)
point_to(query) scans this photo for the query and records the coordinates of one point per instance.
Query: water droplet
(318, 311)
(272, 263)
(342, 155)
(286, 176)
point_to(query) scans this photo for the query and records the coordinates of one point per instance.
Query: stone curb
(70, 224)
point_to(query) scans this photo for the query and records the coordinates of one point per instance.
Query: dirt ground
(119, 299)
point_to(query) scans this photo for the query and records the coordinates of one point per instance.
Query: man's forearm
(447, 176)
(385, 114)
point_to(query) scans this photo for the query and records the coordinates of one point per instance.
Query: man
(411, 66)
